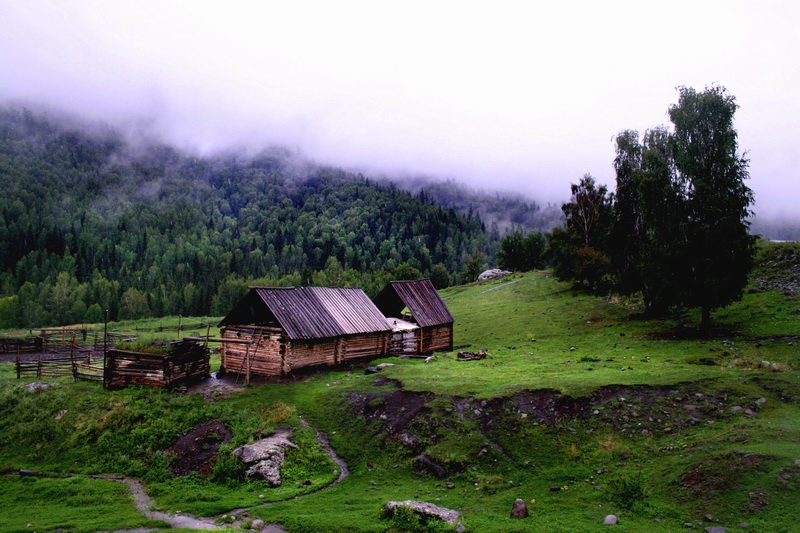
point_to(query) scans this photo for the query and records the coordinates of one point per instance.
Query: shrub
(629, 491)
(227, 469)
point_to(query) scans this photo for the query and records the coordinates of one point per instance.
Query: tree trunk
(705, 321)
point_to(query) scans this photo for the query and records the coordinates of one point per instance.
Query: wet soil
(197, 450)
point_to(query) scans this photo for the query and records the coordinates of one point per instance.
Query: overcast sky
(523, 96)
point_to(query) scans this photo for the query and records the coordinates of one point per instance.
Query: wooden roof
(420, 296)
(309, 312)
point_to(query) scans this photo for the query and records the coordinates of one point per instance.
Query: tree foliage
(705, 150)
(89, 218)
(521, 253)
(580, 252)
(678, 228)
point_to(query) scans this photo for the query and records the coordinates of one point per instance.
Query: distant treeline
(90, 221)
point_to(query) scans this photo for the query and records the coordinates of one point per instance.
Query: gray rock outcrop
(265, 457)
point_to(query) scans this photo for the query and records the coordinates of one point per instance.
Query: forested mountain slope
(90, 221)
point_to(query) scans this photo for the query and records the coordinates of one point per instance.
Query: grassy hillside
(620, 413)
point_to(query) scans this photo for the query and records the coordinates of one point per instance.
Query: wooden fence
(55, 367)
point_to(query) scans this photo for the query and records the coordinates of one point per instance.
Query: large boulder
(493, 273)
(266, 456)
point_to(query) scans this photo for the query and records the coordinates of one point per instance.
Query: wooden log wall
(437, 339)
(367, 345)
(318, 352)
(273, 354)
(266, 353)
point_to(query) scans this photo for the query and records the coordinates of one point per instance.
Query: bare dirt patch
(197, 450)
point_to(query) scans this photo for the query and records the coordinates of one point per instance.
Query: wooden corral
(186, 361)
(416, 303)
(274, 331)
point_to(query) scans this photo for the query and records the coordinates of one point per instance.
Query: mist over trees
(90, 222)
(677, 228)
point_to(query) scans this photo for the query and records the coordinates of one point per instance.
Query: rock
(409, 440)
(645, 433)
(736, 408)
(265, 457)
(555, 488)
(424, 463)
(377, 368)
(257, 524)
(519, 509)
(749, 412)
(610, 520)
(449, 516)
(716, 529)
(460, 528)
(744, 525)
(37, 385)
(493, 273)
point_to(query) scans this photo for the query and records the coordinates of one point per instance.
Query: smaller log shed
(410, 303)
(186, 361)
(275, 330)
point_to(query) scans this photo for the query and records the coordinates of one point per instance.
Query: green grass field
(626, 415)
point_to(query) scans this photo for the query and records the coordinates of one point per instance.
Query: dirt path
(145, 504)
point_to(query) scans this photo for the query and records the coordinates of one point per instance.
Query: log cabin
(274, 331)
(421, 322)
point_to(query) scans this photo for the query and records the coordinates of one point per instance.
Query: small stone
(257, 524)
(260, 496)
(716, 529)
(555, 488)
(645, 433)
(736, 408)
(519, 509)
(749, 412)
(610, 520)
(744, 525)
(460, 528)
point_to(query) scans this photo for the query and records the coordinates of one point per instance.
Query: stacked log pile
(186, 360)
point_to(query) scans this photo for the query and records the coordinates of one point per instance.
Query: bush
(404, 520)
(227, 469)
(629, 491)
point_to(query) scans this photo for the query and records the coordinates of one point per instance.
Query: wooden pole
(247, 376)
(106, 381)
